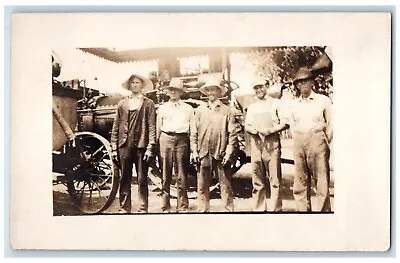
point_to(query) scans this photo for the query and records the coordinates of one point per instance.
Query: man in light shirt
(263, 123)
(133, 139)
(213, 145)
(175, 123)
(312, 132)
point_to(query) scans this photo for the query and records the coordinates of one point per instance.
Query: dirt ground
(62, 204)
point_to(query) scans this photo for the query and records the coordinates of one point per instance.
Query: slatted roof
(119, 56)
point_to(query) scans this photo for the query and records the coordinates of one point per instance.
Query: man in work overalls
(312, 133)
(262, 122)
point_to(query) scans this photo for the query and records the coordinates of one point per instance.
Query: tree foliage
(280, 64)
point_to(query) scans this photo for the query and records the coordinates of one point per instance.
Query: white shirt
(308, 112)
(175, 117)
(213, 105)
(135, 102)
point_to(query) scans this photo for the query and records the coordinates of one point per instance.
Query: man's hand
(194, 158)
(114, 156)
(147, 155)
(319, 127)
(226, 159)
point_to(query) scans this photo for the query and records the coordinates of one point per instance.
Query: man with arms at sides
(133, 139)
(312, 132)
(263, 123)
(213, 145)
(175, 123)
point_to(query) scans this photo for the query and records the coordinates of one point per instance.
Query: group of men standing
(207, 136)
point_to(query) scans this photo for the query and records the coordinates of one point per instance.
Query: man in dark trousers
(312, 132)
(175, 123)
(263, 123)
(213, 145)
(133, 140)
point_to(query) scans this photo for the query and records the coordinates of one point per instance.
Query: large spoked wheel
(93, 179)
(155, 175)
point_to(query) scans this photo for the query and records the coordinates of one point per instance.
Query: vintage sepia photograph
(248, 131)
(192, 130)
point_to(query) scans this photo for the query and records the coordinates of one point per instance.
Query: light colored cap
(176, 83)
(259, 81)
(213, 82)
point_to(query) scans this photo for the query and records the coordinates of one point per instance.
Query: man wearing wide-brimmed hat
(175, 123)
(133, 140)
(312, 132)
(213, 145)
(263, 123)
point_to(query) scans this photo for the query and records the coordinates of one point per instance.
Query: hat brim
(307, 78)
(147, 83)
(183, 90)
(223, 89)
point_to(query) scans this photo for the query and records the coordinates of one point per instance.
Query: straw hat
(176, 83)
(147, 84)
(213, 82)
